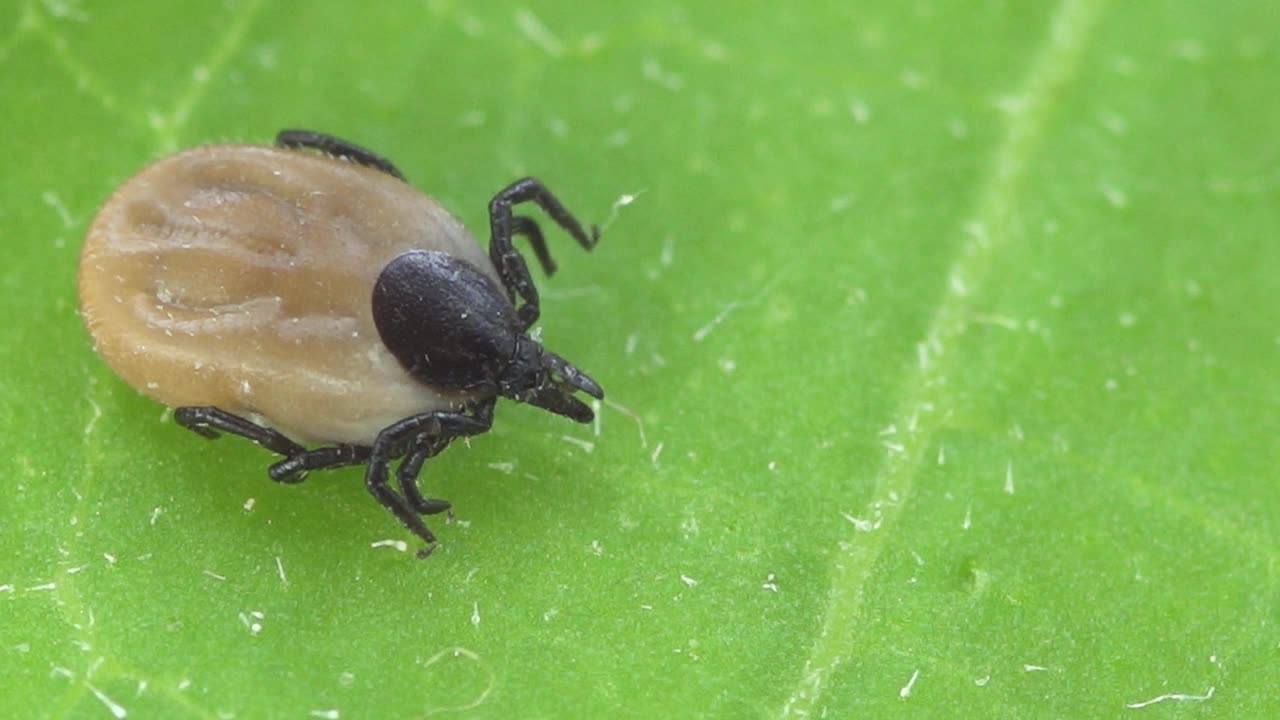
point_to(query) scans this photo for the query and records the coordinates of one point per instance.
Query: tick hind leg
(503, 226)
(209, 421)
(294, 468)
(337, 147)
(425, 435)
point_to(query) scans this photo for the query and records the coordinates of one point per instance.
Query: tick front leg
(503, 226)
(435, 429)
(336, 147)
(407, 477)
(528, 227)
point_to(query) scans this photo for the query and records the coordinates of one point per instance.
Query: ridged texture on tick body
(241, 277)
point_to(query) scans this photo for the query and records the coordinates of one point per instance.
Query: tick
(304, 296)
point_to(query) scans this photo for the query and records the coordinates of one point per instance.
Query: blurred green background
(941, 342)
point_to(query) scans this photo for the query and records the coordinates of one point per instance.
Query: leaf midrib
(925, 392)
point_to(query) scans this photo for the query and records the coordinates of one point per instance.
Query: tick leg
(425, 448)
(528, 227)
(430, 428)
(407, 476)
(337, 147)
(508, 261)
(294, 469)
(208, 421)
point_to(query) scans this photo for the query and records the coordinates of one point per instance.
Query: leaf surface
(940, 341)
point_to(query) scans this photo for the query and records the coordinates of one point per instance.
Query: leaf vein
(925, 385)
(86, 81)
(169, 126)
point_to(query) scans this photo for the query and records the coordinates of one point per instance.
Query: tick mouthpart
(542, 378)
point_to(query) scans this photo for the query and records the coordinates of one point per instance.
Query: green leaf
(941, 342)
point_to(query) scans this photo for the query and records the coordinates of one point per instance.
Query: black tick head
(451, 327)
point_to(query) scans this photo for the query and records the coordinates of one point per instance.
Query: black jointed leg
(294, 468)
(528, 227)
(429, 429)
(503, 226)
(337, 147)
(208, 421)
(407, 476)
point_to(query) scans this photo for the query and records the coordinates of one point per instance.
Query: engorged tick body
(296, 297)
